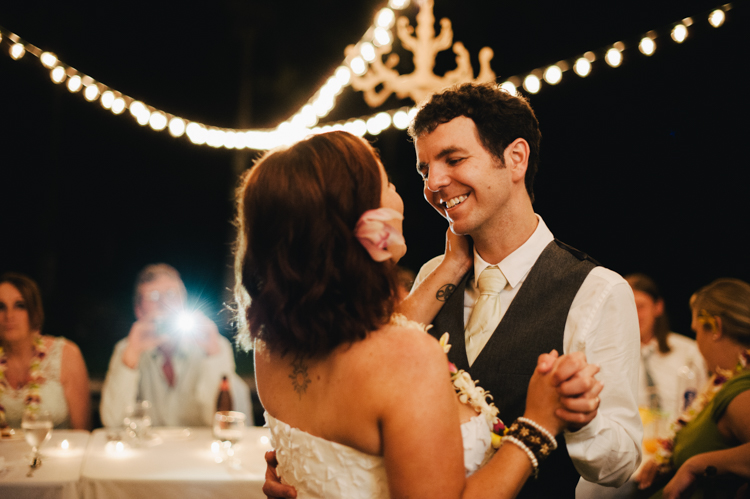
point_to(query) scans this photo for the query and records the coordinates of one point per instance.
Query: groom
(478, 150)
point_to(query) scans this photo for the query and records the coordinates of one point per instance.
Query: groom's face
(464, 182)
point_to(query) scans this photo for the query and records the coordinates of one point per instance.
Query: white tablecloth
(57, 478)
(181, 466)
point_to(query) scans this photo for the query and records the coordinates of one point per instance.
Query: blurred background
(641, 165)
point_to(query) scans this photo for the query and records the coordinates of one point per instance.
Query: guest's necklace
(32, 399)
(663, 456)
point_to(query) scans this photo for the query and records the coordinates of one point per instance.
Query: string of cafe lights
(306, 120)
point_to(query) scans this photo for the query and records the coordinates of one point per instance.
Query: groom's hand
(273, 488)
(579, 390)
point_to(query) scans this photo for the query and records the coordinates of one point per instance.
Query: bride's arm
(419, 423)
(431, 291)
(510, 467)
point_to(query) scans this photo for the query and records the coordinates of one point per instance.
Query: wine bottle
(224, 401)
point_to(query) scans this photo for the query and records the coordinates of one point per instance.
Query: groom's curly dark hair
(304, 283)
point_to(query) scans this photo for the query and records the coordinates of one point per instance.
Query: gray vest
(533, 324)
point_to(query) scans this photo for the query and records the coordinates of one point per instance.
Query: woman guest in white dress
(359, 405)
(37, 371)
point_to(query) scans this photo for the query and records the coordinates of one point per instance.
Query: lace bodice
(51, 391)
(319, 468)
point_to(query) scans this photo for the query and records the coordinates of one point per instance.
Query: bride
(362, 403)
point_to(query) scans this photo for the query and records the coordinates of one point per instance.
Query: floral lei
(468, 392)
(663, 456)
(36, 379)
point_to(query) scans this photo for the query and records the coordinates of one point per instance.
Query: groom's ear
(516, 157)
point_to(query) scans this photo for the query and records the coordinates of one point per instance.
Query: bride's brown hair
(304, 283)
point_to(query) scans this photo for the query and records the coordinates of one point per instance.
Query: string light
(91, 93)
(48, 60)
(532, 84)
(679, 33)
(58, 74)
(553, 75)
(647, 45)
(582, 67)
(17, 50)
(305, 121)
(716, 18)
(613, 57)
(74, 83)
(509, 87)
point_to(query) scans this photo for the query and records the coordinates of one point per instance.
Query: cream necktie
(486, 313)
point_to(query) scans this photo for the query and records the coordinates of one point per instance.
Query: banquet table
(176, 463)
(57, 478)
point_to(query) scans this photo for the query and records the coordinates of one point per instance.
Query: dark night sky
(640, 167)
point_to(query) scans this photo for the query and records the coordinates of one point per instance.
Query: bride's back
(317, 302)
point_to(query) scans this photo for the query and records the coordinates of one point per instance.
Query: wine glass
(37, 429)
(137, 420)
(228, 429)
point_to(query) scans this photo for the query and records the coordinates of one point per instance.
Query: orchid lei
(475, 396)
(32, 399)
(663, 456)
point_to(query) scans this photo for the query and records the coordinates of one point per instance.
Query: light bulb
(613, 57)
(401, 120)
(17, 50)
(553, 75)
(582, 67)
(196, 133)
(716, 18)
(532, 84)
(358, 65)
(385, 18)
(176, 127)
(74, 83)
(107, 99)
(118, 105)
(398, 4)
(58, 74)
(343, 75)
(158, 121)
(367, 51)
(647, 45)
(91, 93)
(381, 36)
(679, 33)
(509, 87)
(48, 59)
(137, 108)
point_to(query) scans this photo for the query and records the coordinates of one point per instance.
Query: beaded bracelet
(545, 432)
(523, 447)
(535, 440)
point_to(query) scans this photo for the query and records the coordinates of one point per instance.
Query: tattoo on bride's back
(445, 292)
(299, 376)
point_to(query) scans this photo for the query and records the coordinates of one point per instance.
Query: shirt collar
(516, 266)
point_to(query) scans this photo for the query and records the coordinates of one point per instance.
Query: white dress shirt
(192, 399)
(664, 369)
(602, 323)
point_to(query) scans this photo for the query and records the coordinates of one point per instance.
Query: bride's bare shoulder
(406, 348)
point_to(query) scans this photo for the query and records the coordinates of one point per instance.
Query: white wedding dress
(319, 468)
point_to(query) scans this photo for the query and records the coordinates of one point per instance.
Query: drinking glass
(228, 429)
(37, 429)
(137, 421)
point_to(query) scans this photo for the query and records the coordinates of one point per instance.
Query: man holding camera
(172, 357)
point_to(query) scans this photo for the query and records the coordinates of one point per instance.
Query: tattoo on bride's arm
(445, 292)
(299, 376)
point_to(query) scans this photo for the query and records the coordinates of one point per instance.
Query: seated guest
(663, 353)
(173, 357)
(712, 437)
(37, 372)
